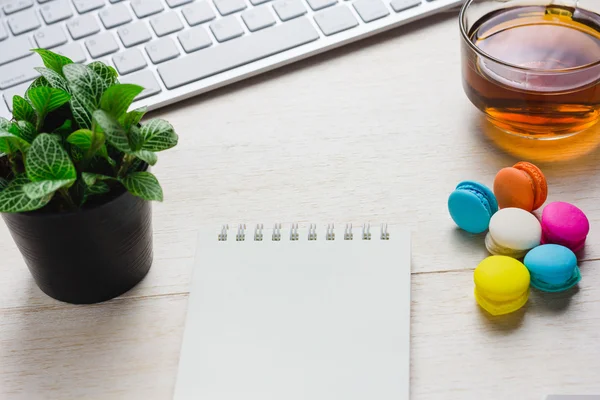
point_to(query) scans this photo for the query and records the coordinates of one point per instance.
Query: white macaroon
(513, 232)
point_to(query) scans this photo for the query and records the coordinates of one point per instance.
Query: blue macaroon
(472, 205)
(553, 268)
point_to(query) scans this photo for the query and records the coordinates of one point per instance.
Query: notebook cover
(298, 319)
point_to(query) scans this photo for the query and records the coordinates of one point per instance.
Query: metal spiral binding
(348, 235)
(258, 233)
(312, 232)
(241, 233)
(384, 232)
(276, 237)
(223, 234)
(295, 235)
(366, 232)
(330, 234)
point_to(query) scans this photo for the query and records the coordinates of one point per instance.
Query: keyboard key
(258, 18)
(320, 4)
(166, 23)
(12, 6)
(19, 71)
(257, 2)
(18, 90)
(370, 10)
(14, 49)
(162, 50)
(289, 9)
(135, 33)
(3, 32)
(83, 26)
(335, 20)
(227, 7)
(56, 11)
(226, 29)
(145, 79)
(51, 36)
(194, 39)
(198, 13)
(115, 16)
(177, 3)
(22, 22)
(83, 6)
(238, 52)
(101, 45)
(401, 5)
(144, 8)
(129, 61)
(74, 51)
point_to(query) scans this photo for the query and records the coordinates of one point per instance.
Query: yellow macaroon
(501, 284)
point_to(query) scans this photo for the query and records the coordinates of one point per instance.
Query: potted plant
(75, 189)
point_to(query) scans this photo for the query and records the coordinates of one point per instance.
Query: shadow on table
(552, 303)
(502, 324)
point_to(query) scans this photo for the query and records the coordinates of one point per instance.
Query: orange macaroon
(522, 186)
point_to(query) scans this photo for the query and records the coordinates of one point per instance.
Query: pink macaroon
(564, 224)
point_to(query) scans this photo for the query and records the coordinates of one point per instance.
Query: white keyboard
(176, 49)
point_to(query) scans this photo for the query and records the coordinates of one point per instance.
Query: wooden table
(376, 131)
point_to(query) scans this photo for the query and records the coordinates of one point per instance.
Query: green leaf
(3, 184)
(25, 130)
(158, 135)
(115, 134)
(40, 81)
(117, 98)
(144, 185)
(5, 124)
(47, 160)
(22, 110)
(147, 156)
(86, 90)
(98, 188)
(91, 179)
(53, 61)
(10, 143)
(13, 199)
(77, 154)
(133, 118)
(65, 128)
(82, 116)
(54, 79)
(136, 140)
(108, 74)
(46, 100)
(81, 138)
(36, 190)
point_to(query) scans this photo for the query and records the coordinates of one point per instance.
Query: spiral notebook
(291, 313)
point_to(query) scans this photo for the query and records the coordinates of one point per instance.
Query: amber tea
(540, 69)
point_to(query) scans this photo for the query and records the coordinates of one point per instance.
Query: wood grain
(376, 131)
(129, 348)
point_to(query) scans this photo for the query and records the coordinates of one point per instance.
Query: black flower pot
(90, 255)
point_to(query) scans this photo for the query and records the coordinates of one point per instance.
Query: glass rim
(481, 53)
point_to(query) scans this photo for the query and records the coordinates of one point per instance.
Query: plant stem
(92, 150)
(13, 165)
(65, 194)
(40, 123)
(127, 160)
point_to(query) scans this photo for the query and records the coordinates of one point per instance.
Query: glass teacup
(533, 66)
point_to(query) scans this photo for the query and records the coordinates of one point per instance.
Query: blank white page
(298, 320)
